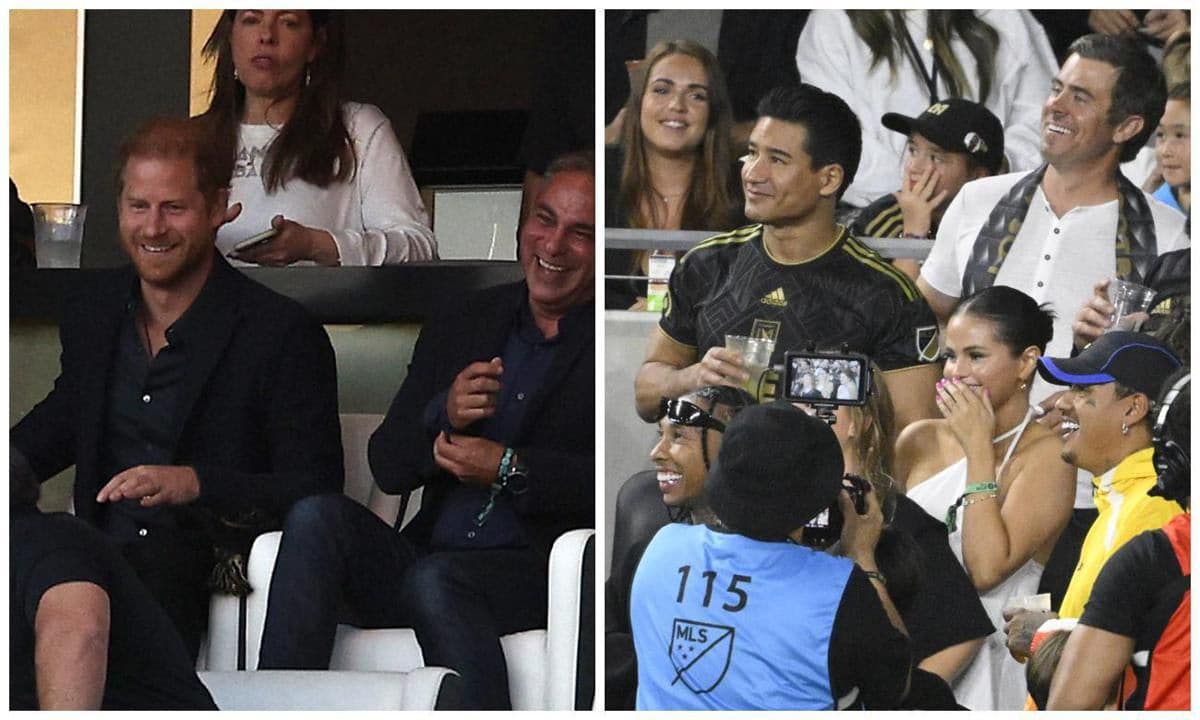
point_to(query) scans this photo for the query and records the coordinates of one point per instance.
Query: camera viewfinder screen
(833, 379)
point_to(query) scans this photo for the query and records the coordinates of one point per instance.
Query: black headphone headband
(1171, 460)
(1160, 422)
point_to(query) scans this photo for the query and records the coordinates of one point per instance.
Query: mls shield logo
(927, 343)
(700, 654)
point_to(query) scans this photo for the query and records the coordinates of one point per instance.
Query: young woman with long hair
(328, 176)
(673, 168)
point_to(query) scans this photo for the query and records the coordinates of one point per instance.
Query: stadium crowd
(1022, 541)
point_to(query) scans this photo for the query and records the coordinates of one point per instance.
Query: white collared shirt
(1054, 259)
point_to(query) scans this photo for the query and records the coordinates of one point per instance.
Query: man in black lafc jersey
(796, 276)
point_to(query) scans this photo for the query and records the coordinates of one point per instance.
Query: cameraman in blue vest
(740, 614)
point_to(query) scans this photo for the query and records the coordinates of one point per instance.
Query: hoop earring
(1024, 384)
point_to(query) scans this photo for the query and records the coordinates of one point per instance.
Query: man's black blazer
(259, 401)
(556, 442)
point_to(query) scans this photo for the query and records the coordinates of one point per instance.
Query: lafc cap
(957, 125)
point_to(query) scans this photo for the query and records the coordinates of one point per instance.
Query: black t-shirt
(1135, 595)
(728, 284)
(945, 610)
(865, 650)
(148, 667)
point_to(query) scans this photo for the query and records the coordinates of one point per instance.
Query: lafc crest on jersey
(927, 343)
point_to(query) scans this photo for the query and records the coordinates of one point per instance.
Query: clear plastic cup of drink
(1131, 303)
(58, 234)
(756, 358)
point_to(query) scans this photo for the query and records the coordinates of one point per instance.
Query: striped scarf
(1136, 244)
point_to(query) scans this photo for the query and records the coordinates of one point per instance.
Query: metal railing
(682, 240)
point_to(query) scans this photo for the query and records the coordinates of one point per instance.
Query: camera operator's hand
(968, 410)
(719, 366)
(860, 533)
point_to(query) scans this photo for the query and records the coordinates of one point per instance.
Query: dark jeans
(174, 566)
(338, 561)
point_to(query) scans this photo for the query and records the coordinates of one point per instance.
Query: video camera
(826, 380)
(825, 529)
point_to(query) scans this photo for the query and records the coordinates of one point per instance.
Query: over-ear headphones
(1171, 459)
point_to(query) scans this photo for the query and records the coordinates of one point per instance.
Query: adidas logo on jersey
(775, 297)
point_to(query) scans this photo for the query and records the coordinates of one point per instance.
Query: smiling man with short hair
(796, 277)
(495, 424)
(1054, 232)
(195, 404)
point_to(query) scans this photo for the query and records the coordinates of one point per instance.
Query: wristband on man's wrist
(505, 463)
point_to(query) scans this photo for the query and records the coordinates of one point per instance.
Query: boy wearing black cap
(740, 616)
(1107, 431)
(953, 142)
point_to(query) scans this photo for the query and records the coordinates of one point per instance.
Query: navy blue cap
(1136, 360)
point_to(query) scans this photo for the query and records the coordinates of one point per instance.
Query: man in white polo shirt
(1055, 232)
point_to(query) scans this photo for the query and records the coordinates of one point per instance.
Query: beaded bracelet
(989, 487)
(505, 462)
(972, 501)
(497, 487)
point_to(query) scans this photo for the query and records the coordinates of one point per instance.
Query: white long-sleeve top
(831, 56)
(376, 217)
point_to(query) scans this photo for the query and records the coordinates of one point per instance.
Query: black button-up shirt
(527, 358)
(143, 416)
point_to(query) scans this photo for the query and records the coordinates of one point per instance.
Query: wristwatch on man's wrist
(515, 477)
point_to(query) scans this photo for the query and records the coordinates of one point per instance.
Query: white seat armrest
(326, 690)
(387, 649)
(562, 618)
(259, 568)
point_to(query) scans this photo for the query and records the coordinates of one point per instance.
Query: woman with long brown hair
(329, 177)
(946, 622)
(673, 168)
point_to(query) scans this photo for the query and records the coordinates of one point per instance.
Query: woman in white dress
(329, 177)
(991, 474)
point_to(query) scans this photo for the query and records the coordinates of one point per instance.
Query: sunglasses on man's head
(682, 412)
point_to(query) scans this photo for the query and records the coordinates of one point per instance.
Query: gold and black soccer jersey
(883, 219)
(729, 284)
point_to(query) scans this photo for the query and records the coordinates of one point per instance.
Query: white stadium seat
(327, 690)
(542, 663)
